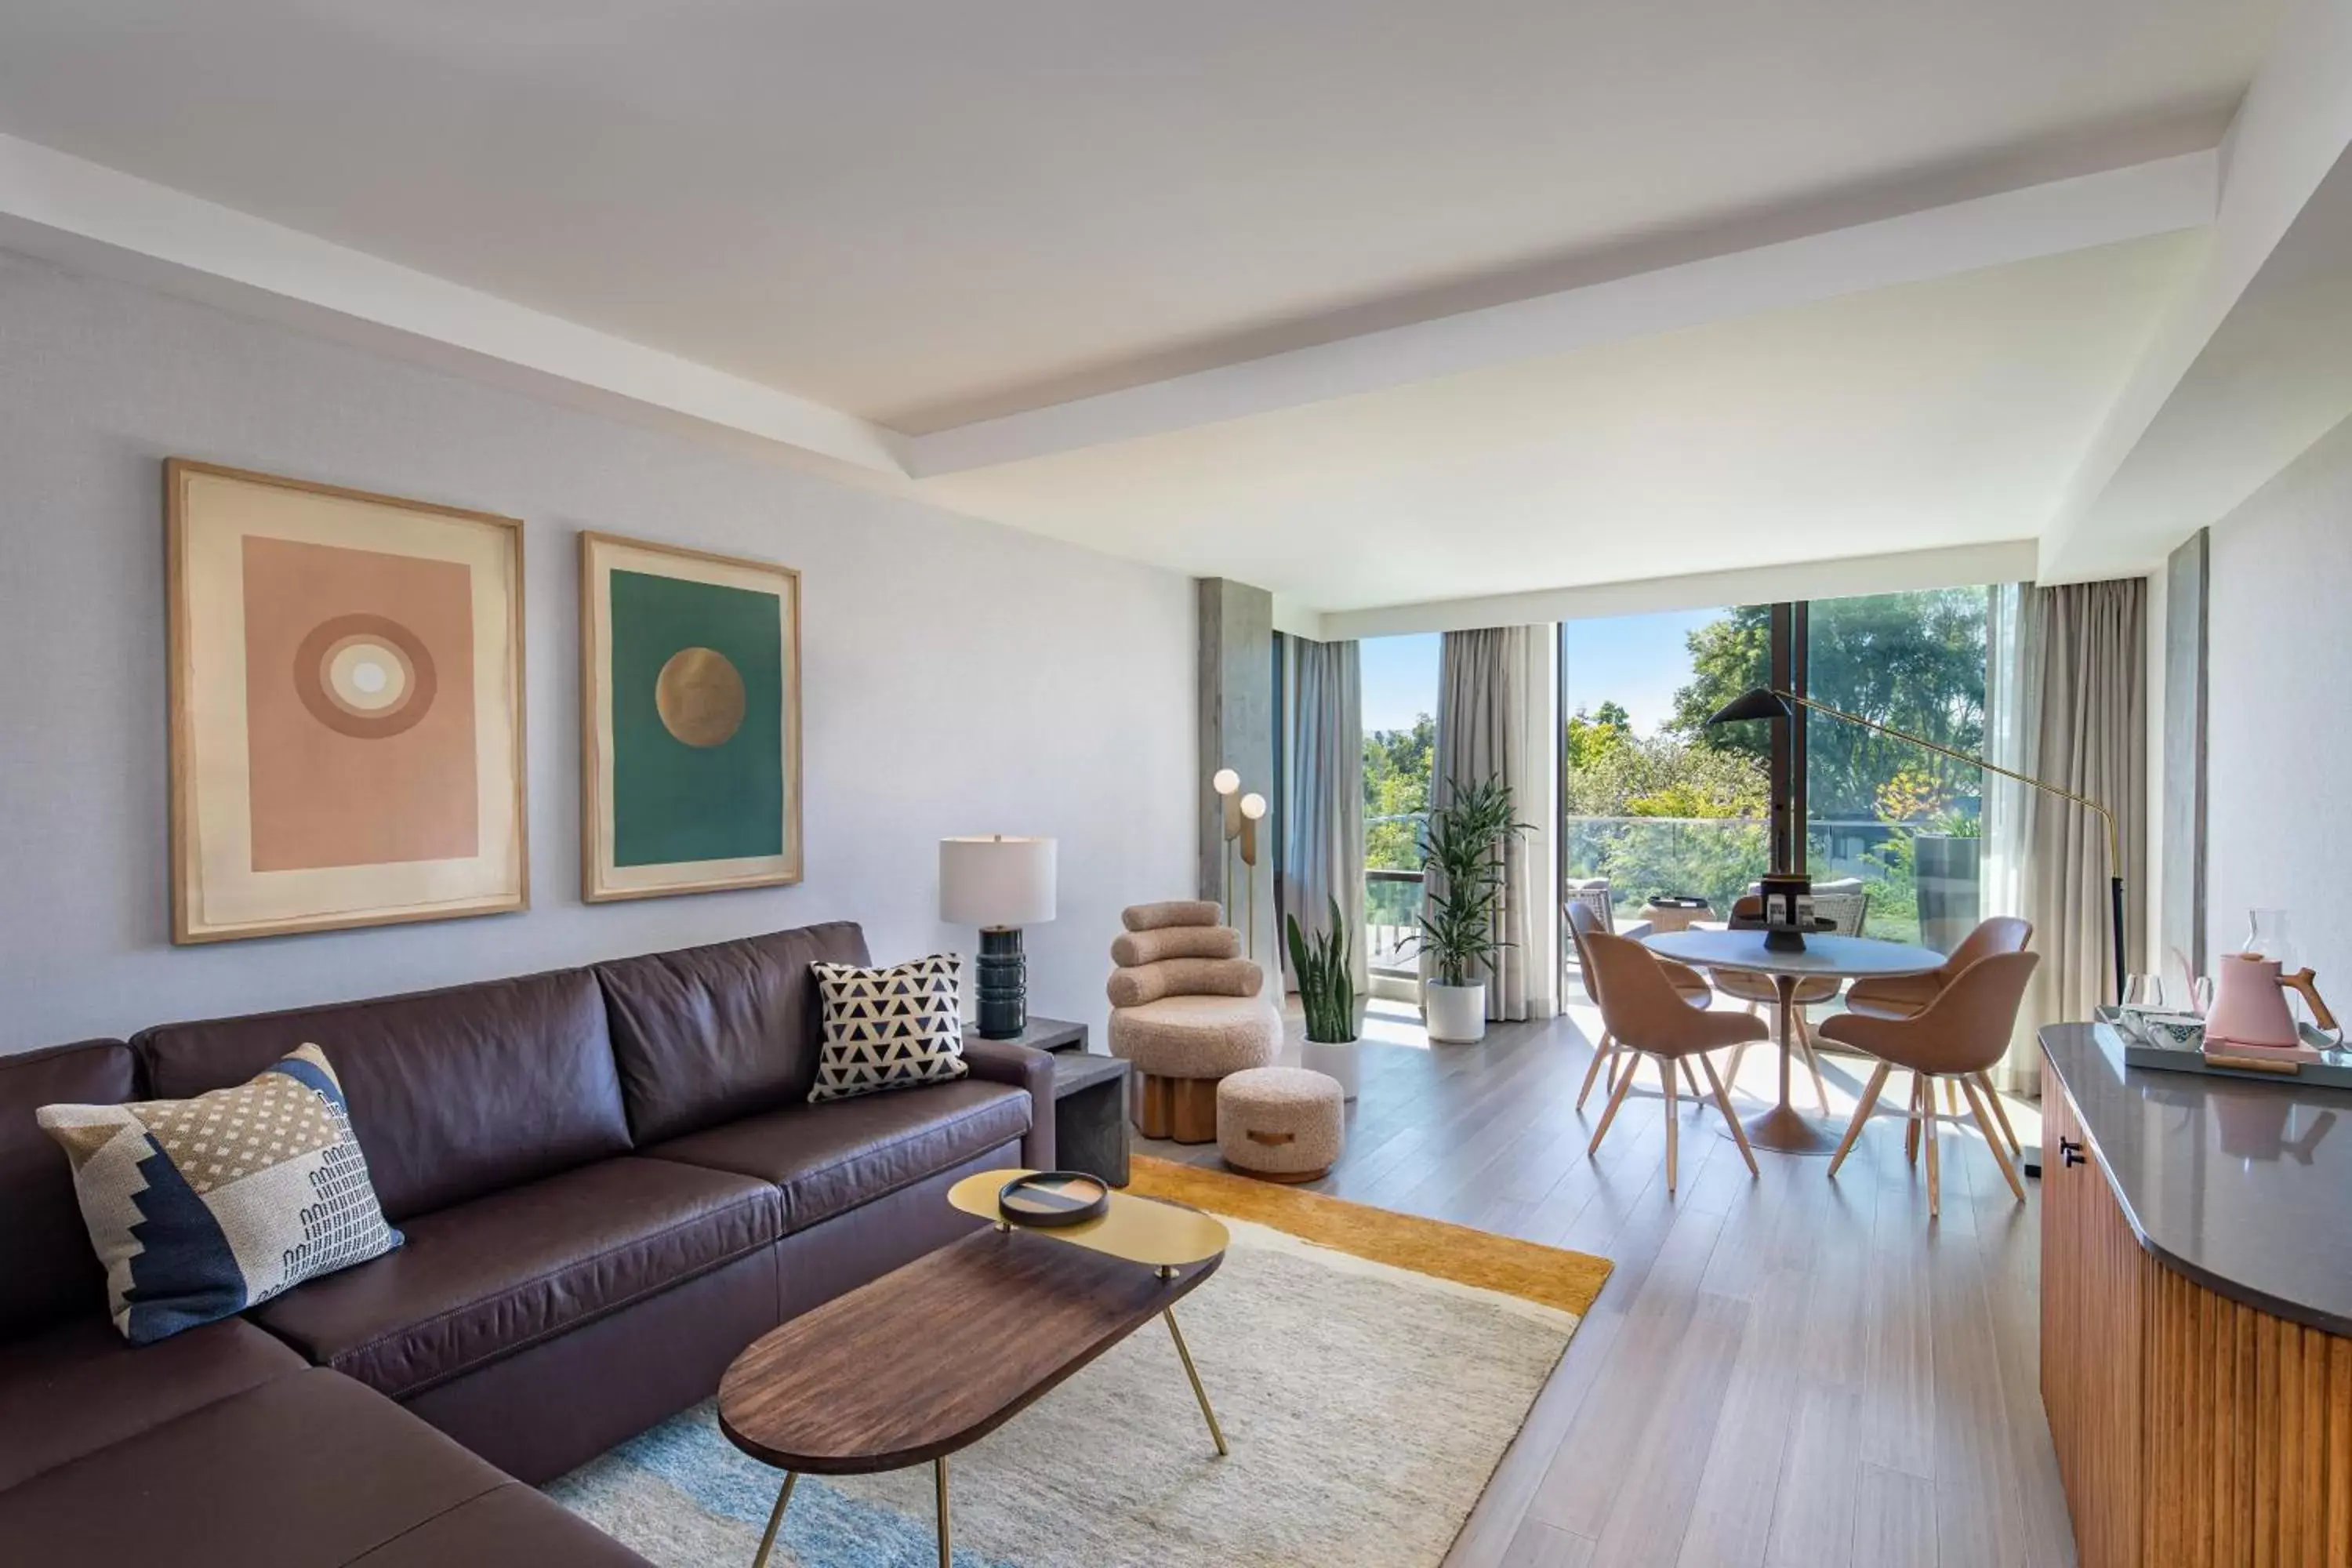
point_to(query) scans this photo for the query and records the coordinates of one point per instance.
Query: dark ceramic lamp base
(1002, 974)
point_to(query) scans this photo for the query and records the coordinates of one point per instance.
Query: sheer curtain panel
(1322, 797)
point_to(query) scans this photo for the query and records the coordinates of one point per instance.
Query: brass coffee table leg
(939, 1471)
(775, 1519)
(1198, 1393)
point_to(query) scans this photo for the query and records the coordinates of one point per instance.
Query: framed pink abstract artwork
(346, 700)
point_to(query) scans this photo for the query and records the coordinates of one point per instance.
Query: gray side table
(1090, 1115)
(1090, 1123)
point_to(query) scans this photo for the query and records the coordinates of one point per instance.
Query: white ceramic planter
(1338, 1061)
(1457, 1013)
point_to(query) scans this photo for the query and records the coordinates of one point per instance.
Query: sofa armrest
(1022, 1067)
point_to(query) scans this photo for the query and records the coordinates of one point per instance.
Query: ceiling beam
(84, 215)
(2294, 125)
(2131, 203)
(1954, 566)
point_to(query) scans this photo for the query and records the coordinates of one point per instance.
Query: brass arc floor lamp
(1767, 702)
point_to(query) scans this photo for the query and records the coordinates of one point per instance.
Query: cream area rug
(1366, 1405)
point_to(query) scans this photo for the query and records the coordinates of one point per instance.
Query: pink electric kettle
(2250, 1005)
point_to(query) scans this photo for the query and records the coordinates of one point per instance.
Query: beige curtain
(2090, 736)
(1322, 808)
(1482, 731)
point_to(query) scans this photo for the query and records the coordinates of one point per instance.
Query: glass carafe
(2267, 937)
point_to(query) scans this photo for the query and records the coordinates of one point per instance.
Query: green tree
(1914, 661)
(1396, 786)
(1729, 655)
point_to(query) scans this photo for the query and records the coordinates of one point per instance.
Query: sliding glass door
(1653, 802)
(1903, 823)
(1655, 805)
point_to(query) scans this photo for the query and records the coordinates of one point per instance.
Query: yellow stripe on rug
(1552, 1275)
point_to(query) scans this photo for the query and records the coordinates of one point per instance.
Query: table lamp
(1000, 885)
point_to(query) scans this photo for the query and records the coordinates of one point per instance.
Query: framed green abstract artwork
(690, 721)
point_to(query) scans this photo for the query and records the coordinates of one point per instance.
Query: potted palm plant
(1462, 864)
(1326, 995)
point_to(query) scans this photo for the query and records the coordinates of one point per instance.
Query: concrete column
(1237, 732)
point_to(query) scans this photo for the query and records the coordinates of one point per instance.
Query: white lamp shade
(996, 882)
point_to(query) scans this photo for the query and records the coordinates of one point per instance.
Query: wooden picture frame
(347, 742)
(690, 721)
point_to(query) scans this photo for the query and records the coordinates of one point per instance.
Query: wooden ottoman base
(1182, 1109)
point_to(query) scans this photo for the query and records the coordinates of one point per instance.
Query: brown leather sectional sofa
(610, 1181)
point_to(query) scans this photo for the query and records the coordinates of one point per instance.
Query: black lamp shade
(1763, 702)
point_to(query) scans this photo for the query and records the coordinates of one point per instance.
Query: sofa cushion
(201, 1207)
(309, 1470)
(76, 1387)
(508, 1528)
(453, 1093)
(706, 1035)
(486, 1279)
(828, 1158)
(47, 1271)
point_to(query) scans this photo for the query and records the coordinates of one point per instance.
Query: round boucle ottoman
(1285, 1124)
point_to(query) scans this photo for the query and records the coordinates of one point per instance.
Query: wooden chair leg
(1911, 1133)
(1739, 1054)
(1600, 1055)
(1627, 1064)
(1861, 1114)
(1690, 1080)
(1952, 1095)
(1666, 1083)
(1608, 1114)
(1999, 1112)
(1812, 1062)
(1723, 1103)
(1935, 1173)
(1992, 1140)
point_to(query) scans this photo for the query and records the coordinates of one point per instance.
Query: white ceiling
(924, 211)
(1374, 302)
(1935, 415)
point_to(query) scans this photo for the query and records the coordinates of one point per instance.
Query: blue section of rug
(823, 1529)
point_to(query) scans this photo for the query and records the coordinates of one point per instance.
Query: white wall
(960, 677)
(2279, 814)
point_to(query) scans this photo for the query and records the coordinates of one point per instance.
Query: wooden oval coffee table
(932, 1357)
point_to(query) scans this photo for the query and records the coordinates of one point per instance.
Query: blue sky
(1635, 660)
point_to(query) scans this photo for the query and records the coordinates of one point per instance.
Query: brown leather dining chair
(1648, 1018)
(1689, 983)
(1902, 996)
(1955, 1037)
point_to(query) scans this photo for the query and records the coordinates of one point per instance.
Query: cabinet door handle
(2069, 1152)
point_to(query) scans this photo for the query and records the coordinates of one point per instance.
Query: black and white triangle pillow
(889, 1028)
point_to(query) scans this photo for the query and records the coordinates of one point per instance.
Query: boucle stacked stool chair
(1283, 1124)
(1186, 1010)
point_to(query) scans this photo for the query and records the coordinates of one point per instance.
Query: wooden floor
(1783, 1370)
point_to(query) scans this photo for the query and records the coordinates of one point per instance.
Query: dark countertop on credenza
(2243, 1186)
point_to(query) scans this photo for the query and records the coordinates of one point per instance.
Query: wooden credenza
(2192, 1424)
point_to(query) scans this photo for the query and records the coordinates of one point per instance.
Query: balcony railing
(1391, 920)
(1923, 886)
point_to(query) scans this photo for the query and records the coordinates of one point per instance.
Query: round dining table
(1823, 957)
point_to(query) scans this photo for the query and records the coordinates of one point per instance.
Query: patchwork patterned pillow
(889, 1028)
(200, 1208)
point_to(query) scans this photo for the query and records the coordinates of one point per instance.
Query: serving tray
(2121, 1037)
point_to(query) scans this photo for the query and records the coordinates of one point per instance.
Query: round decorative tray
(1045, 1199)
